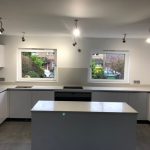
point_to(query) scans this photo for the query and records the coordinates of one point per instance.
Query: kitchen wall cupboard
(3, 106)
(2, 64)
(138, 100)
(21, 101)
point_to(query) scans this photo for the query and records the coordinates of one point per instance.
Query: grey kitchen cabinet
(20, 103)
(41, 95)
(3, 106)
(109, 96)
(139, 101)
(2, 58)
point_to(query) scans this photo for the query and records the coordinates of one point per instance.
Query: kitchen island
(70, 125)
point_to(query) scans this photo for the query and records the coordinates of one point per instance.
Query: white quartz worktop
(65, 106)
(129, 88)
(47, 87)
(2, 89)
(85, 88)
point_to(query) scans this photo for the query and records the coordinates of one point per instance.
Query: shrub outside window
(37, 65)
(109, 66)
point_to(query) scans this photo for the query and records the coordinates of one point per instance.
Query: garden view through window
(108, 65)
(38, 64)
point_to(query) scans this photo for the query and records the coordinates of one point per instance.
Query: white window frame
(19, 66)
(126, 68)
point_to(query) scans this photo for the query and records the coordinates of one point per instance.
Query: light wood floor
(16, 135)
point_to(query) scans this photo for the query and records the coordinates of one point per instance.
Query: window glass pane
(38, 64)
(108, 66)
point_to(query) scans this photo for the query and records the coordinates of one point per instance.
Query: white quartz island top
(70, 106)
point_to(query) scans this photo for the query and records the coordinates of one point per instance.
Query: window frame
(126, 67)
(19, 65)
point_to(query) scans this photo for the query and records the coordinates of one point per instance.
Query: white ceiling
(97, 18)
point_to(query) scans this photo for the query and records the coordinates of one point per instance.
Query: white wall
(69, 57)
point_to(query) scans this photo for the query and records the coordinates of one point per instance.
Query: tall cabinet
(2, 58)
(3, 106)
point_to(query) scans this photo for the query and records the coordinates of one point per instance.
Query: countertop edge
(85, 88)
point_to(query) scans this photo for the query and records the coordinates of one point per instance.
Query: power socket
(2, 79)
(136, 81)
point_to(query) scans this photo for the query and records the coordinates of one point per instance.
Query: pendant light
(76, 31)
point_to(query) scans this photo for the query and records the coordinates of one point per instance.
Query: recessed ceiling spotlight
(76, 31)
(23, 38)
(1, 26)
(124, 38)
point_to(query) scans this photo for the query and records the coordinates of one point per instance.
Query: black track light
(23, 38)
(1, 26)
(74, 44)
(124, 38)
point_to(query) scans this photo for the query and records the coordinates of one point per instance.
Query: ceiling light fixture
(23, 38)
(75, 43)
(76, 31)
(124, 38)
(148, 39)
(1, 26)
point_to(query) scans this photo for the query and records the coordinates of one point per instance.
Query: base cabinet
(20, 104)
(110, 96)
(3, 106)
(41, 95)
(21, 101)
(83, 130)
(137, 100)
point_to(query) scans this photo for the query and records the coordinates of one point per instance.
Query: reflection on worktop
(19, 86)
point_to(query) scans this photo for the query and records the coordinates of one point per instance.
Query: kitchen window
(37, 64)
(109, 66)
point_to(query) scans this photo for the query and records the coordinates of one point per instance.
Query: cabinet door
(41, 95)
(20, 104)
(3, 106)
(139, 101)
(110, 96)
(2, 56)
